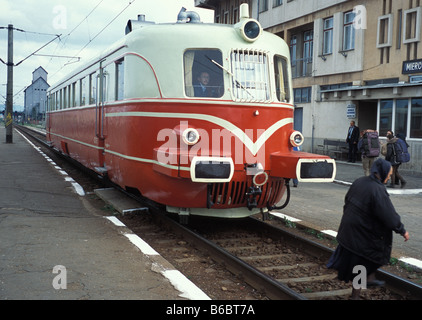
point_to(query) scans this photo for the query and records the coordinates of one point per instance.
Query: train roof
(162, 43)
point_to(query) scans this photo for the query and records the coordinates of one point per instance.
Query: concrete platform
(53, 245)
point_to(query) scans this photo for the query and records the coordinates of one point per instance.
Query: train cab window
(203, 73)
(281, 79)
(250, 77)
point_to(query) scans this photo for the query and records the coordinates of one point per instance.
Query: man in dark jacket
(365, 233)
(352, 139)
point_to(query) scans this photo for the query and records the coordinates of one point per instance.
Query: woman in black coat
(365, 233)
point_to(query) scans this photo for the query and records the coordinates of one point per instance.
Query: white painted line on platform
(141, 244)
(116, 221)
(412, 261)
(283, 216)
(330, 232)
(389, 190)
(76, 186)
(188, 288)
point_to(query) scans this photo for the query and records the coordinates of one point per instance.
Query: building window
(399, 28)
(412, 25)
(327, 46)
(348, 31)
(277, 3)
(416, 118)
(385, 31)
(303, 95)
(308, 48)
(263, 5)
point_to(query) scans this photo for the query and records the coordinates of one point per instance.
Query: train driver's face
(204, 78)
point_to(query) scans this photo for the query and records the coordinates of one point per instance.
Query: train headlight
(190, 136)
(250, 30)
(296, 139)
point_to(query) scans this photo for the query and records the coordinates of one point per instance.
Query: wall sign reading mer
(412, 66)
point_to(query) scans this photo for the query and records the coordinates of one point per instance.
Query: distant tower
(36, 95)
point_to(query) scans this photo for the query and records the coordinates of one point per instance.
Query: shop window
(386, 116)
(416, 118)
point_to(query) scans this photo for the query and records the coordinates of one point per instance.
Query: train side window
(77, 92)
(64, 105)
(203, 73)
(120, 79)
(281, 79)
(84, 90)
(92, 88)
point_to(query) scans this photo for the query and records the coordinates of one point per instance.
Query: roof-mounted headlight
(250, 29)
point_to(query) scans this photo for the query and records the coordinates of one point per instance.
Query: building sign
(412, 66)
(351, 111)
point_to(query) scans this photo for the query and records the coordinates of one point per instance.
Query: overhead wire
(96, 35)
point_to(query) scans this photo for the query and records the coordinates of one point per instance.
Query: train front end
(234, 141)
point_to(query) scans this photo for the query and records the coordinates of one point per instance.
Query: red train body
(132, 114)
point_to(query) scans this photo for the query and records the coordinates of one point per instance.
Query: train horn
(188, 16)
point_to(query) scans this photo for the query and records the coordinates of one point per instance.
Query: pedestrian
(365, 232)
(352, 139)
(391, 157)
(369, 146)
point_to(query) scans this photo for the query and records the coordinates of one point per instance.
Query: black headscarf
(382, 168)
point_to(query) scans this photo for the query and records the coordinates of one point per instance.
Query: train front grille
(233, 193)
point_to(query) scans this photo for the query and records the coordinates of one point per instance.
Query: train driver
(202, 88)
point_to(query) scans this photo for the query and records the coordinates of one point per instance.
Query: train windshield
(281, 79)
(203, 73)
(250, 77)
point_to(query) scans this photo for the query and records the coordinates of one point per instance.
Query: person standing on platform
(353, 139)
(365, 234)
(369, 146)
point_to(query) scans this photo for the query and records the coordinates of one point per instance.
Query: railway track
(280, 264)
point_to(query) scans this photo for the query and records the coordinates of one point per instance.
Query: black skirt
(344, 261)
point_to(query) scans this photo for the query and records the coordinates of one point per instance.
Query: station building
(351, 60)
(36, 95)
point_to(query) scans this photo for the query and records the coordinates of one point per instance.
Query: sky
(86, 27)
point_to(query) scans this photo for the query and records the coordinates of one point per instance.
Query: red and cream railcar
(142, 114)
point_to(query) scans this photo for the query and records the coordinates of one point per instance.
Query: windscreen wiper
(238, 84)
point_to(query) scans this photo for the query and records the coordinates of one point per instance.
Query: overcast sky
(79, 22)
